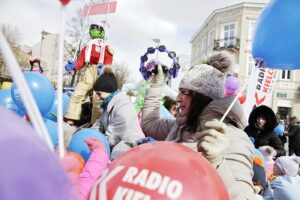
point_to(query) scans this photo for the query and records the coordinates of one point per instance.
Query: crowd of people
(229, 146)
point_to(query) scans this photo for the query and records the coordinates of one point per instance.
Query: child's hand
(94, 143)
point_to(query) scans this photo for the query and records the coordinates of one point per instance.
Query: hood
(267, 113)
(217, 108)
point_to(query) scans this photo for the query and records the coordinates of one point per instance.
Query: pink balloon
(232, 84)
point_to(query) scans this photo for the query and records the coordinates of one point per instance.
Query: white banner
(260, 88)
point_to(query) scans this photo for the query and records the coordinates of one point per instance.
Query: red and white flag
(260, 88)
(99, 7)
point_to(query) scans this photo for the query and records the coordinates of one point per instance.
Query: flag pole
(233, 102)
(60, 83)
(26, 95)
(238, 95)
(81, 33)
(101, 59)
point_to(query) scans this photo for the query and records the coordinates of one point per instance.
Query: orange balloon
(242, 97)
(160, 170)
(80, 160)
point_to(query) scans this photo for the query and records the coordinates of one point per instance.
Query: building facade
(47, 49)
(232, 29)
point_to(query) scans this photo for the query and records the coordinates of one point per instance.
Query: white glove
(159, 78)
(213, 142)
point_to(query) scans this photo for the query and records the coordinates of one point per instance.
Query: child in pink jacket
(95, 165)
(269, 153)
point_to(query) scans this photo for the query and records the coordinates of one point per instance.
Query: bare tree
(13, 36)
(122, 73)
(76, 33)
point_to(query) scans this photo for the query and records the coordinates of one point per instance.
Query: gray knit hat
(208, 79)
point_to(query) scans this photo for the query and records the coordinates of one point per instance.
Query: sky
(132, 27)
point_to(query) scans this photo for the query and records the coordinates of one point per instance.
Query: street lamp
(157, 41)
(44, 33)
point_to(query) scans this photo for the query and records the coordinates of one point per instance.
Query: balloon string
(23, 88)
(60, 84)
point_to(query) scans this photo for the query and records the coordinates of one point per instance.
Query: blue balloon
(7, 102)
(279, 129)
(52, 130)
(53, 110)
(164, 113)
(276, 40)
(41, 89)
(78, 145)
(259, 154)
(252, 140)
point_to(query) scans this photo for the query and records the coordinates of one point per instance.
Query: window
(250, 64)
(286, 75)
(229, 34)
(252, 25)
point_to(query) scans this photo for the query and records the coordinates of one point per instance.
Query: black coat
(264, 136)
(294, 136)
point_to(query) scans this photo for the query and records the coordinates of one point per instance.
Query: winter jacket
(294, 136)
(236, 169)
(95, 55)
(92, 170)
(119, 121)
(266, 136)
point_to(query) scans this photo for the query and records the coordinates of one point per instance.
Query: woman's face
(102, 95)
(261, 122)
(184, 99)
(173, 109)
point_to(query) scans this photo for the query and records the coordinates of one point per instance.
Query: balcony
(231, 44)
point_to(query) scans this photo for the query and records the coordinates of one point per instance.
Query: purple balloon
(29, 170)
(232, 84)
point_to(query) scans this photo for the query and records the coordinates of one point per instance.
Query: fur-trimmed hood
(266, 112)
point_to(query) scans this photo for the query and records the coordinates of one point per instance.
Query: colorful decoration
(41, 89)
(7, 102)
(242, 97)
(279, 129)
(151, 67)
(276, 41)
(64, 2)
(161, 170)
(53, 111)
(232, 84)
(78, 145)
(29, 169)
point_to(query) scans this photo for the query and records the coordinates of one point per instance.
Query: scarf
(107, 99)
(88, 51)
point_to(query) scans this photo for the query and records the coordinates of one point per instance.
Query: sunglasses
(95, 26)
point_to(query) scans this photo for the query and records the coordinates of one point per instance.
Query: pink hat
(289, 165)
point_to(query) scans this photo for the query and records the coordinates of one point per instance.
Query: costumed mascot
(35, 63)
(93, 56)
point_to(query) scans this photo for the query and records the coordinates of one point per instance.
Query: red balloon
(160, 170)
(64, 2)
(242, 97)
